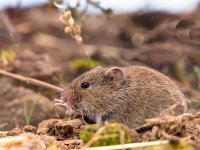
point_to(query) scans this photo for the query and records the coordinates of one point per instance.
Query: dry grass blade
(131, 145)
(31, 81)
(74, 142)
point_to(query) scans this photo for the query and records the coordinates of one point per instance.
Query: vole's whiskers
(86, 93)
(73, 89)
(58, 100)
(57, 96)
(95, 108)
(57, 104)
(81, 111)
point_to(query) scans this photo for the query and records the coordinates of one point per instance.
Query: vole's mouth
(89, 120)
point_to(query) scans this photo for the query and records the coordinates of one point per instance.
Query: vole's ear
(116, 75)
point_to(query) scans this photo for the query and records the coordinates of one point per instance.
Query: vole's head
(95, 90)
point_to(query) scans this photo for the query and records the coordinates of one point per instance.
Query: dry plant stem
(12, 141)
(131, 145)
(2, 133)
(171, 138)
(31, 81)
(73, 142)
(83, 51)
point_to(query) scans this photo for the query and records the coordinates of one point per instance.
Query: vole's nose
(67, 98)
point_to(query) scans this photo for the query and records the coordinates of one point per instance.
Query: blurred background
(119, 6)
(163, 35)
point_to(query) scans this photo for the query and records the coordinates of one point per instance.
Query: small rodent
(127, 95)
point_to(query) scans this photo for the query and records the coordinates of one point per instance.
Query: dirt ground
(39, 48)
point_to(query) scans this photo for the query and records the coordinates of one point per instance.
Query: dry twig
(31, 81)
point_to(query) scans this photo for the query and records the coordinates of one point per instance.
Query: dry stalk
(71, 28)
(129, 146)
(171, 138)
(73, 142)
(3, 133)
(175, 139)
(23, 141)
(31, 81)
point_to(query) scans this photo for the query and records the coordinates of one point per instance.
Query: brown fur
(127, 95)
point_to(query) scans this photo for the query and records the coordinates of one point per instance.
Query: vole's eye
(84, 85)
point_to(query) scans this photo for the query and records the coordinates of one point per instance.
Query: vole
(127, 95)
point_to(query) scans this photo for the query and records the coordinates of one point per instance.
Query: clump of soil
(183, 130)
(60, 129)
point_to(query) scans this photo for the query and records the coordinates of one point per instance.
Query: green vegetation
(84, 63)
(28, 111)
(6, 56)
(110, 134)
(52, 147)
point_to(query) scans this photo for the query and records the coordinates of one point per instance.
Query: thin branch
(31, 81)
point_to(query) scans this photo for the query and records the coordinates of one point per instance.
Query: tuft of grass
(62, 78)
(28, 112)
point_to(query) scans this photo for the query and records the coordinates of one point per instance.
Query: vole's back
(151, 94)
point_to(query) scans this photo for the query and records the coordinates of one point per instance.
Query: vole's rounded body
(127, 95)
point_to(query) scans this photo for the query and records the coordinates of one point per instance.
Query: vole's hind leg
(102, 121)
(180, 108)
(174, 110)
